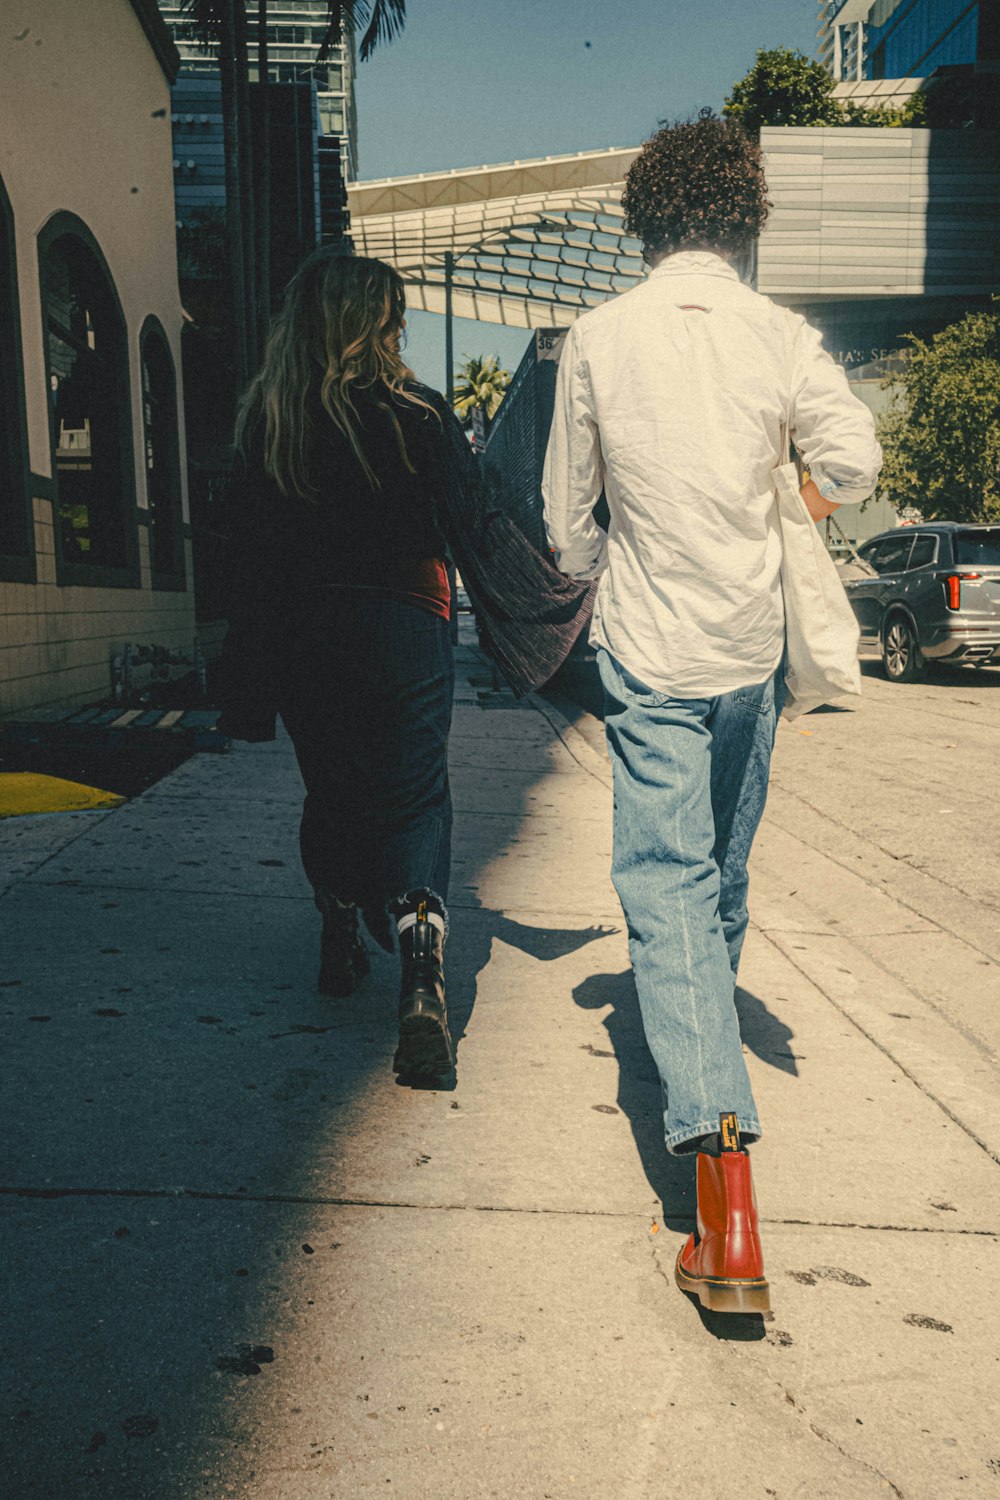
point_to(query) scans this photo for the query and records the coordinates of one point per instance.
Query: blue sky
(476, 81)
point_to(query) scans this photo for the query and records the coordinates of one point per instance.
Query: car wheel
(901, 656)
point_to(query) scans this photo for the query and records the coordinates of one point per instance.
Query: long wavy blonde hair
(339, 329)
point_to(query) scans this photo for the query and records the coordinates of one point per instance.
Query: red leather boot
(722, 1263)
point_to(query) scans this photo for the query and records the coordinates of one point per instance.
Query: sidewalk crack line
(318, 1200)
(885, 1052)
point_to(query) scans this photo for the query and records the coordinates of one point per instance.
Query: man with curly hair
(674, 399)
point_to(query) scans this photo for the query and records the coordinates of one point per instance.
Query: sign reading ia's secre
(855, 359)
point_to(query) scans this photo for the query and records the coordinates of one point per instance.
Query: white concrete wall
(880, 212)
(85, 128)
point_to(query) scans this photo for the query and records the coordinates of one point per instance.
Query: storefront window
(159, 413)
(15, 526)
(87, 373)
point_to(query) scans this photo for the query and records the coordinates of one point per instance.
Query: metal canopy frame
(530, 244)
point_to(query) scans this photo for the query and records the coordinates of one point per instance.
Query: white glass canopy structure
(530, 243)
(857, 214)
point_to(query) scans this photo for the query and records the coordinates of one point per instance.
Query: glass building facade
(842, 39)
(294, 33)
(913, 37)
(896, 38)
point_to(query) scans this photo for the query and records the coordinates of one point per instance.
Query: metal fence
(515, 445)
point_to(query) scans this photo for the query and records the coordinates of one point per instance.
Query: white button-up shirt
(672, 398)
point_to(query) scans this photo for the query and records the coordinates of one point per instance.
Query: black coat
(529, 614)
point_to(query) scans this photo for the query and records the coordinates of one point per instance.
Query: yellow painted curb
(24, 792)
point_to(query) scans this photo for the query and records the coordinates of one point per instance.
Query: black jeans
(366, 698)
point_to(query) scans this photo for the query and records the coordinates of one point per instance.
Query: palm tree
(482, 383)
(382, 20)
(223, 26)
(264, 176)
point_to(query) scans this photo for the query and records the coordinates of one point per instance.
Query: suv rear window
(924, 551)
(980, 548)
(892, 553)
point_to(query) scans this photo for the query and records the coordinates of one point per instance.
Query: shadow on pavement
(765, 1034)
(672, 1178)
(543, 943)
(938, 674)
(730, 1328)
(182, 1128)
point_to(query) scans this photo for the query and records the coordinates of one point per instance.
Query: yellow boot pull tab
(729, 1132)
(421, 911)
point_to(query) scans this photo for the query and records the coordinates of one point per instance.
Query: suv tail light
(953, 587)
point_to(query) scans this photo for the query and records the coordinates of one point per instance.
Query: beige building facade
(95, 548)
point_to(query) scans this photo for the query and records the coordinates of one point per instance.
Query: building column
(986, 78)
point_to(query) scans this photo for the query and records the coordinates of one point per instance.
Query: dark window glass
(978, 548)
(891, 555)
(867, 552)
(86, 355)
(923, 34)
(159, 411)
(924, 551)
(13, 512)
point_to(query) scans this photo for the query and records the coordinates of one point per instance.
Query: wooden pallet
(117, 727)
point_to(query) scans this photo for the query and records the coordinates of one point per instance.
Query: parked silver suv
(929, 592)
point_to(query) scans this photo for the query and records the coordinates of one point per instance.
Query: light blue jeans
(690, 779)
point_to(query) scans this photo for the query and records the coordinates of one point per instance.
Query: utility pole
(449, 392)
(986, 74)
(263, 289)
(449, 333)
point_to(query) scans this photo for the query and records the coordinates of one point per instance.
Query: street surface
(241, 1260)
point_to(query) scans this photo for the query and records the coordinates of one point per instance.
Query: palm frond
(387, 20)
(205, 23)
(340, 13)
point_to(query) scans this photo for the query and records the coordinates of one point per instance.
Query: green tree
(784, 87)
(912, 113)
(482, 383)
(941, 432)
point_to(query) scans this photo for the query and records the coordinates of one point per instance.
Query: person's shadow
(468, 953)
(672, 1178)
(543, 943)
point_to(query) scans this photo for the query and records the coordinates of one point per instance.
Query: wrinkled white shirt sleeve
(573, 476)
(832, 428)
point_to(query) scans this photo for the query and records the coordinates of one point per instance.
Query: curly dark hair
(697, 183)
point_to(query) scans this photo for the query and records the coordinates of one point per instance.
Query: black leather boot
(344, 959)
(425, 1046)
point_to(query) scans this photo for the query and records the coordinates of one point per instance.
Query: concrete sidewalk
(241, 1260)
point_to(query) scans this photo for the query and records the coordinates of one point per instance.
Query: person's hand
(817, 506)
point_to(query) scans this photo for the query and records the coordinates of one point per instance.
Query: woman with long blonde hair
(355, 486)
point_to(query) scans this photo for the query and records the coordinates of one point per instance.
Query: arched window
(87, 350)
(161, 457)
(17, 541)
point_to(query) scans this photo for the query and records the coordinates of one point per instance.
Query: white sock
(410, 920)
